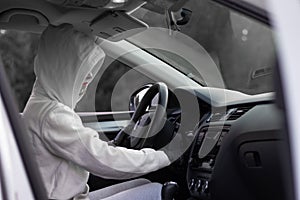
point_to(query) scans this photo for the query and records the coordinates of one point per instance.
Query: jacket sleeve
(66, 137)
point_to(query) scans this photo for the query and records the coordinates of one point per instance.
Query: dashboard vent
(238, 112)
(231, 114)
(217, 117)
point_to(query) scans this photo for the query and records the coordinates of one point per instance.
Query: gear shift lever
(169, 190)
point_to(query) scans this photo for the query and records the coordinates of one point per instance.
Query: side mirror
(138, 95)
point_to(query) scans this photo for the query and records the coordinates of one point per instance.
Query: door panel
(107, 123)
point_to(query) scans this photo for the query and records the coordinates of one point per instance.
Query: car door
(284, 15)
(18, 170)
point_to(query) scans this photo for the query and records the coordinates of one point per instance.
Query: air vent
(238, 112)
(231, 114)
(216, 117)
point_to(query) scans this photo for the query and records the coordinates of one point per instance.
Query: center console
(202, 159)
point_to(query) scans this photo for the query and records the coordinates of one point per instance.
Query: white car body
(14, 180)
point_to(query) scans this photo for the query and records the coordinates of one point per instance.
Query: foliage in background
(17, 50)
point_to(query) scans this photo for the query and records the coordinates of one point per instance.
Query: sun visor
(126, 5)
(23, 19)
(90, 3)
(117, 25)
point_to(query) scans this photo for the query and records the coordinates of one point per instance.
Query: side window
(113, 87)
(17, 50)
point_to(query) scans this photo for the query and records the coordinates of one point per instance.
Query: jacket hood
(64, 59)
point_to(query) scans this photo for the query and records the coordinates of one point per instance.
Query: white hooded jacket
(65, 150)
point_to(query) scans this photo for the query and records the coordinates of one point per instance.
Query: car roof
(35, 15)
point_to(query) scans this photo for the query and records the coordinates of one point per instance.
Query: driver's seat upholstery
(127, 190)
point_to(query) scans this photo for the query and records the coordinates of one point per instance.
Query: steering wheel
(143, 125)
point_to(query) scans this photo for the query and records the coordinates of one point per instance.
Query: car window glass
(242, 48)
(17, 51)
(114, 87)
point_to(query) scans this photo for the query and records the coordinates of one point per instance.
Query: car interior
(211, 65)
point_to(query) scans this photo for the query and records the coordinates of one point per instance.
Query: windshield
(241, 47)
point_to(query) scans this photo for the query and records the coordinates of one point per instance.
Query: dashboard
(236, 146)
